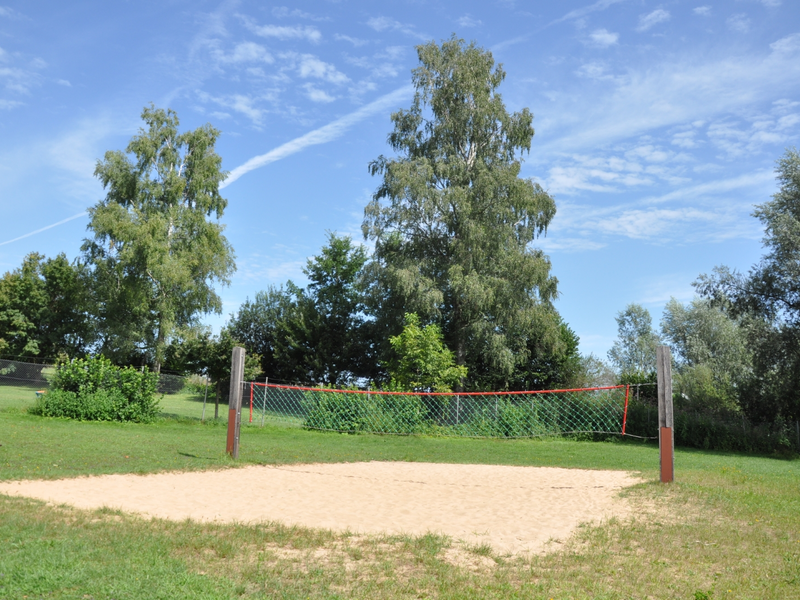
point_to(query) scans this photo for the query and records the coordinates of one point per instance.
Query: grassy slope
(731, 522)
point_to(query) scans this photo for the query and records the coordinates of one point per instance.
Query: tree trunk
(159, 349)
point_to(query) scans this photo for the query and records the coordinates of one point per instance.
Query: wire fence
(492, 414)
(15, 372)
(38, 374)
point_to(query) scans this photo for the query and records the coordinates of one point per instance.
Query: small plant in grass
(92, 389)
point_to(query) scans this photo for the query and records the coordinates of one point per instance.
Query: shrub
(92, 389)
(337, 411)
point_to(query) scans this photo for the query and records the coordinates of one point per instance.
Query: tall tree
(158, 246)
(258, 324)
(710, 352)
(323, 333)
(769, 296)
(452, 220)
(634, 352)
(45, 308)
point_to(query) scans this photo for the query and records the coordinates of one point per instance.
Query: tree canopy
(768, 296)
(45, 308)
(421, 362)
(155, 253)
(634, 351)
(453, 221)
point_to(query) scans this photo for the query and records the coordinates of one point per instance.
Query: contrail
(324, 134)
(22, 237)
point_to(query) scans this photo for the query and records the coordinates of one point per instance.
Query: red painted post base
(666, 451)
(230, 447)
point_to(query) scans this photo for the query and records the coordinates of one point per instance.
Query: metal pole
(264, 405)
(235, 401)
(205, 397)
(666, 436)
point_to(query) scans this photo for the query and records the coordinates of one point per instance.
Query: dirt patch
(512, 509)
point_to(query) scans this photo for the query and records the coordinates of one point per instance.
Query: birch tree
(453, 222)
(158, 246)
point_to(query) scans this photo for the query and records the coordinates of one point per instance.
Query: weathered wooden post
(666, 437)
(235, 401)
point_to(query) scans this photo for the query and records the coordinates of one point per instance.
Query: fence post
(264, 405)
(666, 436)
(235, 401)
(205, 397)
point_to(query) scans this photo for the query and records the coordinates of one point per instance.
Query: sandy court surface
(515, 509)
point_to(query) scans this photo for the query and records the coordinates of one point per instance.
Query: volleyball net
(597, 410)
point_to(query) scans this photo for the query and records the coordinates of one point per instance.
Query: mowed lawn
(729, 527)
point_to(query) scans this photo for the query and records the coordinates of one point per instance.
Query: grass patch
(728, 528)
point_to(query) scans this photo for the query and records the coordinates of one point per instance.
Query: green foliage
(710, 352)
(317, 334)
(45, 308)
(720, 432)
(453, 222)
(258, 325)
(337, 412)
(634, 352)
(93, 389)
(767, 299)
(322, 337)
(155, 253)
(595, 372)
(199, 352)
(422, 363)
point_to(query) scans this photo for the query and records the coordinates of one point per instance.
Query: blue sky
(657, 124)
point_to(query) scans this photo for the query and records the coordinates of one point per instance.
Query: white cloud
(246, 52)
(280, 32)
(240, 103)
(323, 135)
(10, 13)
(468, 21)
(686, 139)
(770, 3)
(569, 244)
(703, 11)
(355, 41)
(787, 45)
(673, 92)
(9, 104)
(308, 65)
(579, 13)
(27, 235)
(739, 23)
(649, 20)
(283, 12)
(384, 23)
(594, 70)
(603, 38)
(63, 82)
(317, 95)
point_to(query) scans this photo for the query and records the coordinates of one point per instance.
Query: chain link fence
(19, 373)
(31, 373)
(507, 415)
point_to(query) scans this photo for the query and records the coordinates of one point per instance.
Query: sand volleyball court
(514, 509)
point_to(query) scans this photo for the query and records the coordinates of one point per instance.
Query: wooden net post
(666, 436)
(235, 401)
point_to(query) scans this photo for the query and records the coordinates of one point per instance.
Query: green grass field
(728, 528)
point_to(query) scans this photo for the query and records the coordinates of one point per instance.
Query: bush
(337, 411)
(92, 389)
(378, 413)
